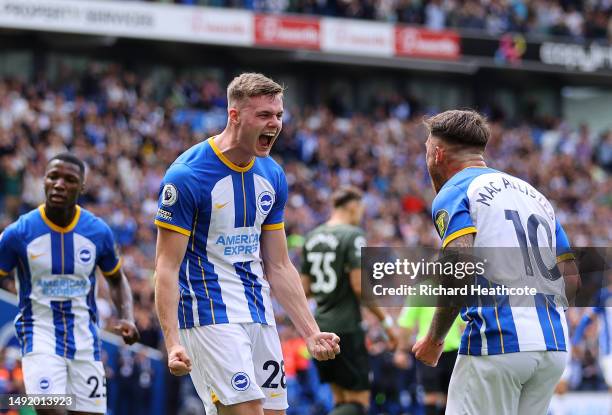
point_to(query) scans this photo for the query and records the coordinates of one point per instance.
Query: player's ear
(438, 154)
(234, 115)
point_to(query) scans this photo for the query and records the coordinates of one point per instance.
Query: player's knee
(349, 408)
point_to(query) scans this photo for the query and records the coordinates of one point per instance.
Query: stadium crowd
(576, 19)
(129, 129)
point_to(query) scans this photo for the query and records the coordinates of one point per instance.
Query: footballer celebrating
(56, 249)
(510, 357)
(221, 251)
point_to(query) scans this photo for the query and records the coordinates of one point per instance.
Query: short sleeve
(108, 257)
(562, 243)
(451, 214)
(8, 250)
(408, 317)
(177, 202)
(356, 241)
(274, 220)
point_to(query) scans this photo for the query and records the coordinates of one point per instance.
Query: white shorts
(234, 363)
(52, 374)
(504, 384)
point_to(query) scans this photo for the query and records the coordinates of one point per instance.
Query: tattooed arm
(429, 348)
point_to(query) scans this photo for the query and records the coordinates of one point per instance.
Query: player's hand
(323, 346)
(179, 362)
(127, 330)
(428, 351)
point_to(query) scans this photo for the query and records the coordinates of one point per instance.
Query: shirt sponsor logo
(239, 244)
(62, 287)
(164, 214)
(169, 195)
(241, 381)
(265, 200)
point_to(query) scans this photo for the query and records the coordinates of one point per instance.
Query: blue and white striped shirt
(223, 208)
(56, 281)
(500, 210)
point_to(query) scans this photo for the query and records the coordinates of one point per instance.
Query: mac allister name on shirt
(488, 193)
(239, 244)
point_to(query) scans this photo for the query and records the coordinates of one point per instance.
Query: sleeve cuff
(174, 228)
(114, 270)
(457, 234)
(566, 256)
(273, 226)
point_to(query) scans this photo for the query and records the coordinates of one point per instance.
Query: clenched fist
(323, 346)
(179, 362)
(428, 351)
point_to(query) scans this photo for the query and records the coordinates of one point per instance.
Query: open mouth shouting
(265, 140)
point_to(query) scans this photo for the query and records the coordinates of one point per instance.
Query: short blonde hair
(251, 84)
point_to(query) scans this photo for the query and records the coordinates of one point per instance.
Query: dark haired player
(331, 272)
(510, 357)
(56, 249)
